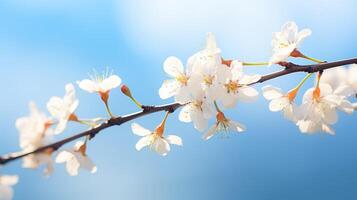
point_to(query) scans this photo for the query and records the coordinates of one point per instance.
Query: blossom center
(232, 86)
(208, 79)
(197, 104)
(183, 79)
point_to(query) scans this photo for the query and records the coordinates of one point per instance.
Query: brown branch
(289, 68)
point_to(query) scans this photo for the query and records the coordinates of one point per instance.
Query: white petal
(63, 156)
(248, 79)
(72, 166)
(56, 107)
(169, 88)
(302, 35)
(143, 142)
(9, 180)
(210, 133)
(110, 83)
(237, 127)
(87, 163)
(292, 113)
(161, 146)
(270, 92)
(173, 66)
(330, 115)
(307, 126)
(6, 192)
(185, 114)
(229, 100)
(278, 104)
(346, 106)
(88, 85)
(139, 130)
(183, 95)
(61, 126)
(173, 139)
(325, 90)
(247, 94)
(200, 123)
(326, 128)
(344, 90)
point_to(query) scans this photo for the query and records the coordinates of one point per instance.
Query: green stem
(312, 59)
(303, 80)
(255, 63)
(136, 102)
(216, 105)
(165, 118)
(108, 109)
(85, 123)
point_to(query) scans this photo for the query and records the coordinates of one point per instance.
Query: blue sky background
(46, 44)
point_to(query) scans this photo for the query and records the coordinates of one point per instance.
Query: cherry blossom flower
(101, 84)
(223, 124)
(33, 161)
(198, 111)
(76, 159)
(155, 139)
(35, 132)
(181, 85)
(287, 41)
(319, 108)
(236, 87)
(6, 191)
(281, 102)
(63, 109)
(206, 68)
(341, 80)
(35, 129)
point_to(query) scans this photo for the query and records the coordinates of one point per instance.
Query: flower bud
(125, 90)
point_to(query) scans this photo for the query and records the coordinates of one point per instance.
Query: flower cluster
(208, 80)
(205, 86)
(38, 130)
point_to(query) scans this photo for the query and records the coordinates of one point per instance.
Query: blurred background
(46, 44)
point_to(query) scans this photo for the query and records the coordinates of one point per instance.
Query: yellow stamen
(232, 86)
(183, 79)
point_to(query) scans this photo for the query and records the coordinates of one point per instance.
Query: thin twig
(117, 121)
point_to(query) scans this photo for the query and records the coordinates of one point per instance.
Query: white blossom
(236, 86)
(101, 84)
(33, 161)
(319, 108)
(6, 191)
(341, 80)
(180, 85)
(223, 124)
(286, 41)
(34, 129)
(76, 158)
(198, 111)
(35, 132)
(155, 139)
(205, 65)
(62, 109)
(281, 102)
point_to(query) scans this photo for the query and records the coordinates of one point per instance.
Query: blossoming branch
(204, 88)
